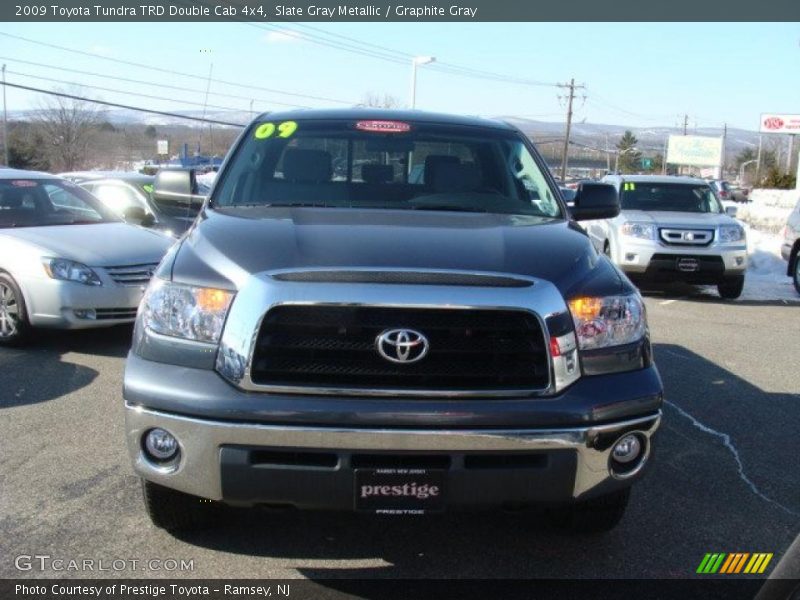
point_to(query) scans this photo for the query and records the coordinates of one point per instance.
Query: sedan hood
(98, 245)
(671, 218)
(235, 243)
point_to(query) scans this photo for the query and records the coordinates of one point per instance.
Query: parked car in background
(134, 196)
(673, 229)
(739, 193)
(790, 249)
(66, 259)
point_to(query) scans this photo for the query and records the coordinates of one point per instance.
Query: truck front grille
(334, 347)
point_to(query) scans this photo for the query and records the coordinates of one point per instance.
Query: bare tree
(373, 100)
(69, 128)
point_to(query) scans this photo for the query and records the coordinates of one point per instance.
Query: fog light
(627, 449)
(631, 257)
(85, 313)
(160, 444)
(739, 261)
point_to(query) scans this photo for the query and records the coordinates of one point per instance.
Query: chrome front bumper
(199, 470)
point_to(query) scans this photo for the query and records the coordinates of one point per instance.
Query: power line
(172, 72)
(113, 91)
(117, 105)
(149, 83)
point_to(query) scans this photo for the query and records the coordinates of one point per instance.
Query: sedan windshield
(680, 197)
(386, 165)
(42, 202)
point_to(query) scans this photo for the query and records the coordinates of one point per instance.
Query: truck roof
(378, 114)
(660, 179)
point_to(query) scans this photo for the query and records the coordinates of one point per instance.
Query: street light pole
(5, 119)
(741, 169)
(415, 62)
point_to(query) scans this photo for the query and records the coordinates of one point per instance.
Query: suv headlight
(192, 313)
(731, 233)
(608, 321)
(644, 231)
(69, 270)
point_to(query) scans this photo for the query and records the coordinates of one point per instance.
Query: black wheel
(597, 515)
(13, 318)
(176, 511)
(607, 249)
(731, 288)
(796, 270)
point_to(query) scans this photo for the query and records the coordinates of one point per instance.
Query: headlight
(731, 233)
(69, 270)
(645, 231)
(183, 311)
(609, 321)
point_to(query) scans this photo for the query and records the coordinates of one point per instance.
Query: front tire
(796, 272)
(730, 289)
(13, 316)
(175, 511)
(597, 515)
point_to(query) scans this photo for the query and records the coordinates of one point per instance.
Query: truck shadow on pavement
(37, 371)
(695, 499)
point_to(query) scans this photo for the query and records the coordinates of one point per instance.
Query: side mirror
(177, 187)
(595, 201)
(731, 211)
(136, 214)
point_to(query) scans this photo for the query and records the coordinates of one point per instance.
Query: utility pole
(789, 156)
(685, 123)
(758, 161)
(5, 119)
(572, 87)
(722, 152)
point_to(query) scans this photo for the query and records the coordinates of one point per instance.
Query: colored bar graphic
(735, 562)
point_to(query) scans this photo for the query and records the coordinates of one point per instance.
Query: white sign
(162, 146)
(694, 150)
(775, 123)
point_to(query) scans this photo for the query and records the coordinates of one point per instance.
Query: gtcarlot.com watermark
(46, 562)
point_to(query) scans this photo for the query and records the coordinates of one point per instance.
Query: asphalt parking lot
(725, 475)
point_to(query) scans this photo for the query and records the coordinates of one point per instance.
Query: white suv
(673, 229)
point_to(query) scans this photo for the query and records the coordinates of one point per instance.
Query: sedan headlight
(731, 233)
(608, 321)
(193, 313)
(69, 270)
(645, 231)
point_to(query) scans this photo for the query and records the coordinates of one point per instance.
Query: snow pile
(768, 209)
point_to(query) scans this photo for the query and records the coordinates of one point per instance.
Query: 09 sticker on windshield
(282, 130)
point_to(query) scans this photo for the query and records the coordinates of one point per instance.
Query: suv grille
(335, 347)
(132, 274)
(687, 237)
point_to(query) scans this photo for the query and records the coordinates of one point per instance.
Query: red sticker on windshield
(383, 126)
(24, 183)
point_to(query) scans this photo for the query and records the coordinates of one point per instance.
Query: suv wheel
(13, 320)
(731, 288)
(176, 511)
(796, 273)
(597, 515)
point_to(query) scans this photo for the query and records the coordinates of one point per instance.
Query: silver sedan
(66, 261)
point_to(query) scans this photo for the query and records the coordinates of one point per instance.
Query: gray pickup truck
(333, 333)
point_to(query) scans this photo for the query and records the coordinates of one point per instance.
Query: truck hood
(228, 245)
(665, 218)
(98, 245)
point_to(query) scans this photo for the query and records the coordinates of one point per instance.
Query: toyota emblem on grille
(403, 346)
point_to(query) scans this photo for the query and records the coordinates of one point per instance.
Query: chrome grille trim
(132, 275)
(685, 236)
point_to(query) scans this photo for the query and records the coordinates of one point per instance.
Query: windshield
(41, 202)
(680, 197)
(385, 164)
